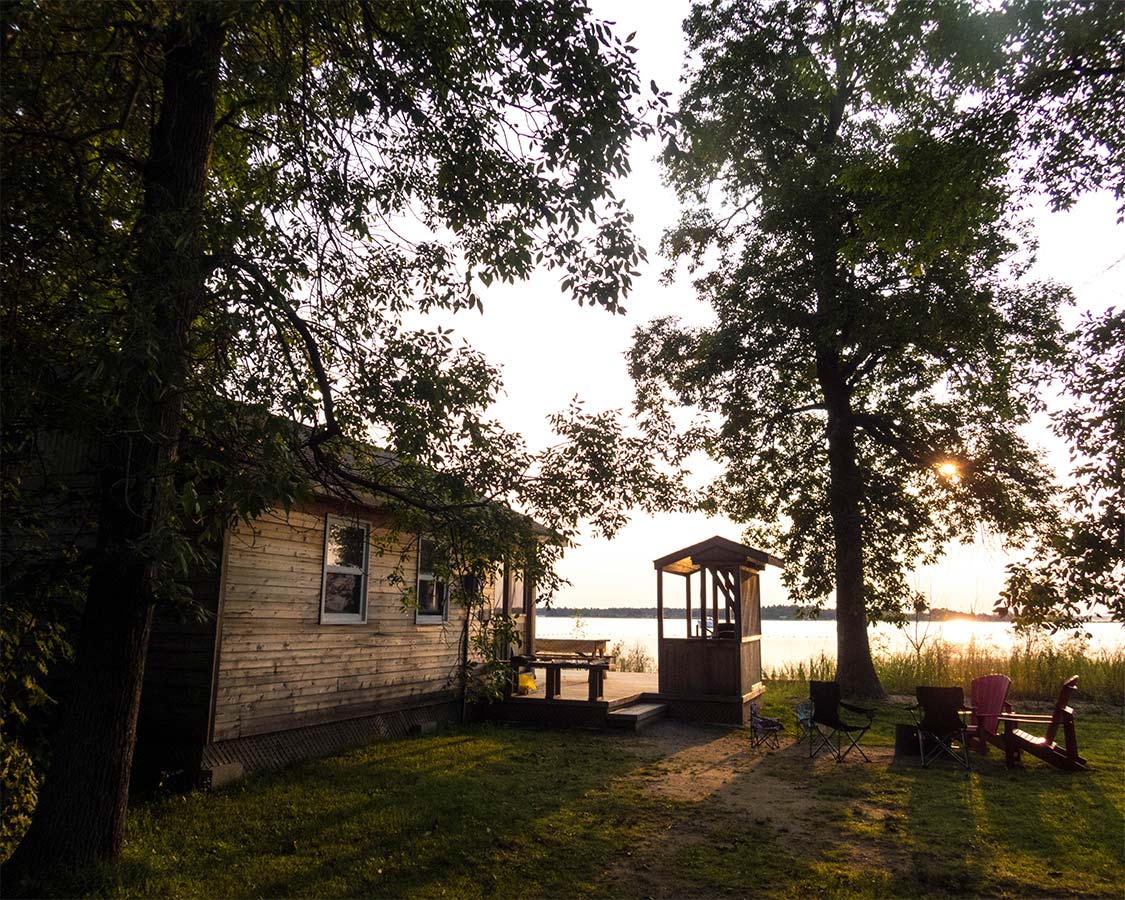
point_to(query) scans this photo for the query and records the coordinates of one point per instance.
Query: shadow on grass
(486, 810)
(894, 829)
(497, 811)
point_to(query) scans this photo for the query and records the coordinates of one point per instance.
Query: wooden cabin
(308, 646)
(710, 663)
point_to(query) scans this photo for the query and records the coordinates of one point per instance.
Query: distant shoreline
(768, 612)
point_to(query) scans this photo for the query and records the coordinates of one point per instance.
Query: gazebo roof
(715, 551)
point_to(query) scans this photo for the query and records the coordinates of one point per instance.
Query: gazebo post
(702, 602)
(687, 589)
(714, 601)
(659, 607)
(738, 617)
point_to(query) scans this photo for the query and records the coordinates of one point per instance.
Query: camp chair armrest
(870, 713)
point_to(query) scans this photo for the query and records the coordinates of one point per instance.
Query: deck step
(637, 716)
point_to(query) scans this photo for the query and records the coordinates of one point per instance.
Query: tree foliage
(1065, 78)
(874, 351)
(216, 218)
(1066, 82)
(1079, 561)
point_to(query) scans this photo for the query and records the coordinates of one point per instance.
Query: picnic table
(553, 666)
(545, 648)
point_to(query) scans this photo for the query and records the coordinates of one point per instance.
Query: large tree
(215, 216)
(874, 353)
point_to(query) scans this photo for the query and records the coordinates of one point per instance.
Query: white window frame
(427, 618)
(335, 618)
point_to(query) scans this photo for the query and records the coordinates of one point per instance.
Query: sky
(550, 350)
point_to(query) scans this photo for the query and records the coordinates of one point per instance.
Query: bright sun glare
(949, 470)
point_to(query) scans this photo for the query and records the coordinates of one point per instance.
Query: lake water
(787, 641)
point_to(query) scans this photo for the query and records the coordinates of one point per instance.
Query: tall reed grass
(1037, 668)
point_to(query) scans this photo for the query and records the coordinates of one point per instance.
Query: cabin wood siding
(280, 668)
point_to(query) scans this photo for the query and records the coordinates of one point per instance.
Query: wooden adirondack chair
(1045, 748)
(989, 699)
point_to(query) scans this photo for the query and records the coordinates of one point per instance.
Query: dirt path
(727, 782)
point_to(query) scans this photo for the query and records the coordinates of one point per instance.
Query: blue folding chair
(763, 729)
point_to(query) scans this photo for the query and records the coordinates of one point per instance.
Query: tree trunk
(855, 671)
(81, 812)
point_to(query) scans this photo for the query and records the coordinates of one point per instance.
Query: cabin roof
(715, 551)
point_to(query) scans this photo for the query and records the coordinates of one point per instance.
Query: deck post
(529, 617)
(659, 608)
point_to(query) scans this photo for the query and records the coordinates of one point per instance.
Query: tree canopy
(215, 217)
(875, 351)
(1064, 75)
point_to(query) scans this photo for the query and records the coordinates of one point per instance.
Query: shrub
(19, 787)
(631, 659)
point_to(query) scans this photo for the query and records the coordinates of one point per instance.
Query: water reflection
(786, 642)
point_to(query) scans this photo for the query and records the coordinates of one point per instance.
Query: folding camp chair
(804, 721)
(941, 728)
(828, 726)
(763, 729)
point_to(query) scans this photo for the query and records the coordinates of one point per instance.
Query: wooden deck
(572, 706)
(576, 683)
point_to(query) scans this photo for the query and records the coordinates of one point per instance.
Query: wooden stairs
(635, 716)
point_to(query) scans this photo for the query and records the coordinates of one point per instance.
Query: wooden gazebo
(713, 669)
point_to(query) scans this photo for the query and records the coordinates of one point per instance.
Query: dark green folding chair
(829, 730)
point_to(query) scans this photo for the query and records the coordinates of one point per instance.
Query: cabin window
(433, 592)
(344, 590)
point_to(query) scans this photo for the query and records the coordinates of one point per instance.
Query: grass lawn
(487, 811)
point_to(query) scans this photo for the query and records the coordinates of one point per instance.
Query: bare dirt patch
(718, 767)
(714, 779)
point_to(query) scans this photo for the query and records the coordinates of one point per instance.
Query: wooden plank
(254, 666)
(326, 637)
(234, 728)
(389, 686)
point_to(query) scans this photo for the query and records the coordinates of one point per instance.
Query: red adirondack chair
(1045, 748)
(989, 699)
